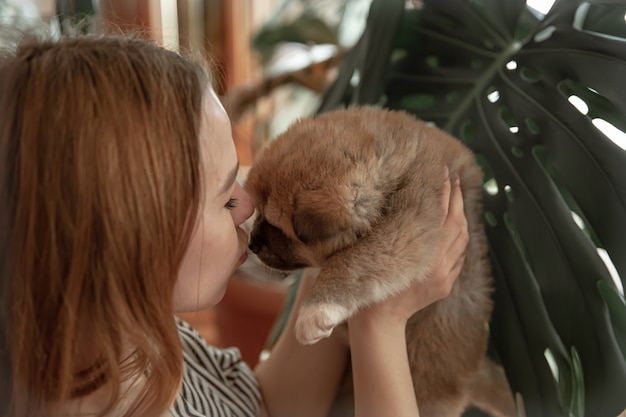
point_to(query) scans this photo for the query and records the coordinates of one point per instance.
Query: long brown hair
(99, 192)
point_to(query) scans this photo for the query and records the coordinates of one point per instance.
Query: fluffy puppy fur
(357, 192)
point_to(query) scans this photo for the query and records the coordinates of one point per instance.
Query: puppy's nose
(255, 247)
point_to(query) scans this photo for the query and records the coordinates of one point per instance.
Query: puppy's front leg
(317, 321)
(364, 274)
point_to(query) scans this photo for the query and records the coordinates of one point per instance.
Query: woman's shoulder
(216, 381)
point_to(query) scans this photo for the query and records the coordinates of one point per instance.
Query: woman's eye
(231, 204)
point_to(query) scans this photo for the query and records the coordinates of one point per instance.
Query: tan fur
(357, 193)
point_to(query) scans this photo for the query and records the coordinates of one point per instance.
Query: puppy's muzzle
(255, 247)
(278, 255)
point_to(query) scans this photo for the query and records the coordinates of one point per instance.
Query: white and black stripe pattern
(216, 382)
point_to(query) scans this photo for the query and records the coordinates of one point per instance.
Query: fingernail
(457, 180)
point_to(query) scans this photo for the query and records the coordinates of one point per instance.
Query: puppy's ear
(333, 211)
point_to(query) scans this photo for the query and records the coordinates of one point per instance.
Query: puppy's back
(387, 143)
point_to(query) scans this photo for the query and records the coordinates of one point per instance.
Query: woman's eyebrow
(230, 180)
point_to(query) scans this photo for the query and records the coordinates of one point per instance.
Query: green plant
(502, 78)
(76, 16)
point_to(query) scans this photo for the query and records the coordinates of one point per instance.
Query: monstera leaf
(541, 101)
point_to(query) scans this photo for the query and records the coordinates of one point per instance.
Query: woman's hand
(450, 261)
(382, 378)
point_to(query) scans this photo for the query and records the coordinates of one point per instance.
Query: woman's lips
(243, 258)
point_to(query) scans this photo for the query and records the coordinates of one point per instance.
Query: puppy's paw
(317, 321)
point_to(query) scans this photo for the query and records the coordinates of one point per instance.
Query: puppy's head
(311, 201)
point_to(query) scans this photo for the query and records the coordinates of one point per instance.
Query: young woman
(119, 208)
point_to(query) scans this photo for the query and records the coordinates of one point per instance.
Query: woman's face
(218, 245)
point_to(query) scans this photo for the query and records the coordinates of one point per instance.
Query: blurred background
(262, 51)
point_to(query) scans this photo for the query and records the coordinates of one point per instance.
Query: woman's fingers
(446, 194)
(455, 205)
(455, 223)
(456, 234)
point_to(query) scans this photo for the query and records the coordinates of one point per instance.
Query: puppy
(356, 193)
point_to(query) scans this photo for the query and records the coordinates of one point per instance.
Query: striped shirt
(216, 382)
